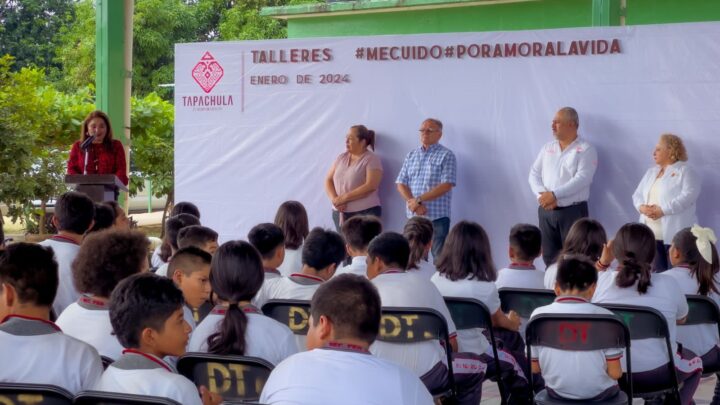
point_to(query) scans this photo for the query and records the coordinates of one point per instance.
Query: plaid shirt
(100, 160)
(424, 170)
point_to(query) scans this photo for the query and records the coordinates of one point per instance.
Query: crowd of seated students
(208, 298)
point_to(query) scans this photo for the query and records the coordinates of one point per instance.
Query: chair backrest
(577, 332)
(643, 322)
(703, 310)
(235, 378)
(114, 398)
(36, 394)
(293, 313)
(524, 300)
(468, 313)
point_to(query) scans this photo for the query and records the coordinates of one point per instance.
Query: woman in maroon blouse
(104, 155)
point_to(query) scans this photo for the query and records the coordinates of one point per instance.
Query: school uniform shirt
(470, 340)
(271, 276)
(265, 337)
(677, 192)
(404, 289)
(156, 260)
(699, 339)
(36, 351)
(144, 374)
(425, 269)
(292, 263)
(520, 276)
(550, 276)
(189, 317)
(335, 375)
(65, 251)
(575, 374)
(163, 270)
(88, 320)
(662, 295)
(358, 266)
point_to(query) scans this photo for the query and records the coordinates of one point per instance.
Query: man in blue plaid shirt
(426, 180)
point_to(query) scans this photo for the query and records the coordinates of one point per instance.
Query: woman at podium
(97, 152)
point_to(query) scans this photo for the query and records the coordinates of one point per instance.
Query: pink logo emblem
(208, 72)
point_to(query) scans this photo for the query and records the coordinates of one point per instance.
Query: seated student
(633, 283)
(465, 269)
(162, 254)
(358, 231)
(387, 258)
(344, 322)
(525, 247)
(190, 270)
(147, 317)
(586, 237)
(236, 327)
(694, 258)
(104, 218)
(198, 236)
(172, 230)
(121, 221)
(419, 232)
(33, 349)
(269, 240)
(588, 375)
(105, 259)
(74, 213)
(292, 218)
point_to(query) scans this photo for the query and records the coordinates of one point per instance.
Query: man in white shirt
(338, 368)
(74, 213)
(560, 177)
(358, 232)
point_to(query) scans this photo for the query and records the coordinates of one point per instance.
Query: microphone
(86, 143)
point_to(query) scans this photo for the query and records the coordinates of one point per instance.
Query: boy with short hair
(387, 258)
(172, 231)
(358, 231)
(74, 213)
(525, 246)
(190, 270)
(147, 317)
(33, 349)
(578, 375)
(344, 322)
(269, 240)
(198, 236)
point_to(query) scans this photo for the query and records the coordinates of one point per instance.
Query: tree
(75, 51)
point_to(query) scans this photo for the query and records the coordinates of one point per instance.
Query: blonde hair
(676, 147)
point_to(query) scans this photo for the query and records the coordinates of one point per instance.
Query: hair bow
(705, 237)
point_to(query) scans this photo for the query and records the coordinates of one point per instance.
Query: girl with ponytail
(235, 327)
(633, 283)
(419, 232)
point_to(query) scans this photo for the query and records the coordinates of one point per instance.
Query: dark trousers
(661, 262)
(340, 217)
(555, 225)
(441, 228)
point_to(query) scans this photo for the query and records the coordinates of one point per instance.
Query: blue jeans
(441, 227)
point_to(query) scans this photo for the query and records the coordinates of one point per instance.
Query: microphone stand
(85, 146)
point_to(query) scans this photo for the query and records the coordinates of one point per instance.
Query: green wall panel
(671, 11)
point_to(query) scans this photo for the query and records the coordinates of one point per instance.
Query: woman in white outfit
(666, 195)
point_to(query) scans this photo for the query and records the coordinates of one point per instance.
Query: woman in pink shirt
(353, 180)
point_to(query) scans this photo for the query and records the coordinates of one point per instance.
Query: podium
(99, 187)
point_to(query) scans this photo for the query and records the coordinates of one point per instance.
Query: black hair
(32, 271)
(184, 207)
(364, 134)
(526, 240)
(323, 248)
(104, 217)
(585, 237)
(175, 224)
(467, 252)
(352, 304)
(686, 244)
(575, 272)
(115, 207)
(266, 238)
(189, 260)
(391, 248)
(292, 218)
(142, 301)
(419, 232)
(359, 230)
(195, 235)
(105, 258)
(75, 212)
(236, 275)
(634, 249)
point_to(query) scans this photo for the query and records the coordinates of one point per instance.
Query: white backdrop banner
(260, 122)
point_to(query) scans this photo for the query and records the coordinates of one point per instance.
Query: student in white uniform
(146, 314)
(292, 218)
(162, 254)
(338, 368)
(466, 270)
(190, 270)
(358, 231)
(235, 326)
(33, 349)
(172, 230)
(694, 258)
(74, 213)
(633, 283)
(198, 236)
(525, 247)
(105, 259)
(586, 237)
(419, 233)
(388, 256)
(578, 375)
(269, 240)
